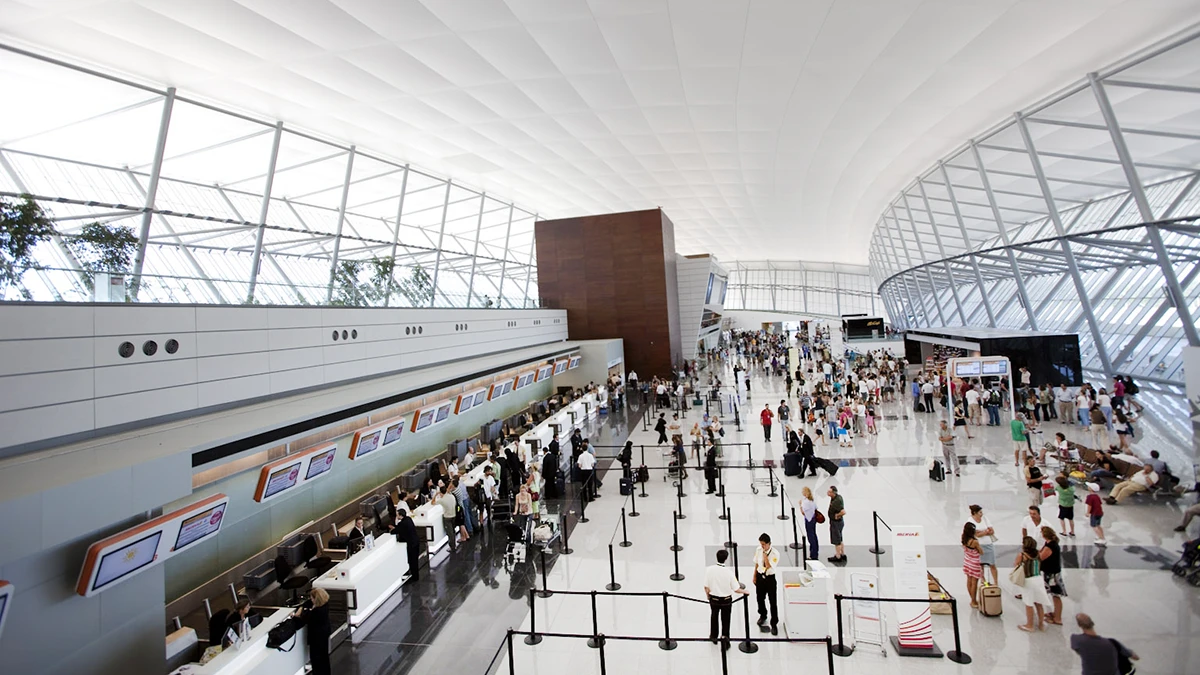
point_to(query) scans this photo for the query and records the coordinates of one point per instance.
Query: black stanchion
(679, 485)
(625, 543)
(729, 527)
(583, 501)
(876, 549)
(956, 655)
(675, 531)
(533, 638)
(633, 503)
(795, 534)
(612, 572)
(512, 665)
(725, 660)
(723, 507)
(603, 663)
(829, 652)
(642, 448)
(771, 478)
(745, 646)
(596, 639)
(841, 649)
(679, 502)
(804, 550)
(666, 644)
(677, 576)
(782, 505)
(566, 544)
(721, 485)
(545, 592)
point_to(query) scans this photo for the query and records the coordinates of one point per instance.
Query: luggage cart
(755, 480)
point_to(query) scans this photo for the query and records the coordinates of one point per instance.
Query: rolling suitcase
(938, 471)
(626, 487)
(989, 600)
(830, 467)
(919, 407)
(791, 464)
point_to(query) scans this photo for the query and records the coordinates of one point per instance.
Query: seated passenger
(1141, 482)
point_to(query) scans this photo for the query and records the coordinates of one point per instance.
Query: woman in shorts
(1051, 563)
(1066, 505)
(1033, 592)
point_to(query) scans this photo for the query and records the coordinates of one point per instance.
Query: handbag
(282, 632)
(1017, 575)
(820, 517)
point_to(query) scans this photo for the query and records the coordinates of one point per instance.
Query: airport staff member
(587, 474)
(766, 559)
(720, 585)
(359, 530)
(406, 532)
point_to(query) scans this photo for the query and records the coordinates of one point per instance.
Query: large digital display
(392, 433)
(508, 386)
(465, 403)
(199, 526)
(574, 362)
(6, 591)
(995, 367)
(320, 463)
(524, 379)
(543, 372)
(423, 419)
(966, 368)
(127, 559)
(560, 367)
(282, 479)
(365, 442)
(443, 412)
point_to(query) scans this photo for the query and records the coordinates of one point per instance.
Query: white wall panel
(62, 362)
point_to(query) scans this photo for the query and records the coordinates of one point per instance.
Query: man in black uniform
(807, 455)
(710, 469)
(406, 533)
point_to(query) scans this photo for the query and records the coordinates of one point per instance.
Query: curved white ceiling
(765, 128)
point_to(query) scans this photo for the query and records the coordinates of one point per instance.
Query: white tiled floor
(1149, 609)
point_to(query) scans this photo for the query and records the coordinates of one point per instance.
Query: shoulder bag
(820, 517)
(1017, 575)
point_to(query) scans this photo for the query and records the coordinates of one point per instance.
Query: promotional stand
(868, 625)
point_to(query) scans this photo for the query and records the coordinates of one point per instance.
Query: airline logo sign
(909, 566)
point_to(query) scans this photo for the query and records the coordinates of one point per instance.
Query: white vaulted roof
(764, 128)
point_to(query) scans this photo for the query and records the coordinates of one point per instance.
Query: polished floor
(457, 618)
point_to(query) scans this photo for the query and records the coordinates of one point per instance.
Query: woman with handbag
(1027, 577)
(315, 615)
(812, 518)
(1050, 557)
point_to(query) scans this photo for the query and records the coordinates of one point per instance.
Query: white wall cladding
(61, 372)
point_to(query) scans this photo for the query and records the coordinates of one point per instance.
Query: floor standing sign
(868, 622)
(914, 621)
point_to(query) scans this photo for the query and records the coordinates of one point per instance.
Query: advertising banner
(915, 623)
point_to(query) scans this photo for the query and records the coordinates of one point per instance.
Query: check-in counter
(253, 657)
(429, 516)
(367, 580)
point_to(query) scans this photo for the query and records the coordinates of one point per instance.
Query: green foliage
(103, 248)
(418, 287)
(346, 289)
(379, 286)
(23, 225)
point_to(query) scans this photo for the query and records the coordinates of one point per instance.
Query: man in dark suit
(406, 533)
(806, 454)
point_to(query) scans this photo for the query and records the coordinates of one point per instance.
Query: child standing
(1066, 505)
(1095, 511)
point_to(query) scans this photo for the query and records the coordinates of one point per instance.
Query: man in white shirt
(1140, 482)
(1065, 399)
(720, 585)
(827, 370)
(587, 474)
(973, 414)
(1026, 377)
(986, 534)
(766, 559)
(1082, 404)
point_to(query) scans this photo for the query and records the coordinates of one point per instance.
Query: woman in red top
(765, 416)
(971, 565)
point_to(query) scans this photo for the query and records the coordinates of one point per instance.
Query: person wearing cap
(1095, 512)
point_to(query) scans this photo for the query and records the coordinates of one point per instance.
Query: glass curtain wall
(215, 206)
(819, 289)
(1077, 214)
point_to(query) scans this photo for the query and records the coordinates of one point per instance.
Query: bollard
(583, 504)
(725, 660)
(533, 638)
(633, 504)
(729, 526)
(512, 666)
(676, 576)
(666, 644)
(746, 646)
(682, 467)
(625, 543)
(679, 502)
(612, 572)
(723, 507)
(876, 549)
(545, 592)
(795, 534)
(566, 544)
(596, 639)
(642, 448)
(603, 668)
(829, 653)
(956, 655)
(840, 648)
(771, 477)
(675, 529)
(721, 484)
(782, 506)
(804, 551)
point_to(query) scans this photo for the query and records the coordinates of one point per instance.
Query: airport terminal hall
(576, 337)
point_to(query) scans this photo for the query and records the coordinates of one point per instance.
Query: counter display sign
(966, 369)
(365, 442)
(443, 412)
(543, 372)
(480, 397)
(524, 379)
(469, 400)
(320, 463)
(574, 362)
(995, 367)
(423, 419)
(392, 433)
(199, 526)
(281, 479)
(116, 558)
(560, 367)
(499, 389)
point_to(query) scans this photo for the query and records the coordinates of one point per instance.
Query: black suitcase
(643, 474)
(938, 472)
(830, 467)
(791, 464)
(626, 487)
(919, 407)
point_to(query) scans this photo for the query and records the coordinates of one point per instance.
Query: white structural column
(391, 284)
(1030, 315)
(1068, 254)
(967, 243)
(937, 238)
(529, 268)
(475, 255)
(256, 260)
(437, 264)
(160, 148)
(341, 220)
(1146, 212)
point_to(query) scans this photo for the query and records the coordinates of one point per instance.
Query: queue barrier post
(841, 649)
(603, 663)
(721, 485)
(771, 478)
(783, 505)
(725, 660)
(666, 644)
(533, 638)
(876, 549)
(512, 666)
(745, 646)
(612, 572)
(956, 655)
(829, 652)
(679, 499)
(625, 543)
(677, 576)
(597, 639)
(730, 543)
(583, 499)
(633, 503)
(545, 592)
(795, 534)
(566, 542)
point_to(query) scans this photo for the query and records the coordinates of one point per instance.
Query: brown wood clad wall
(614, 274)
